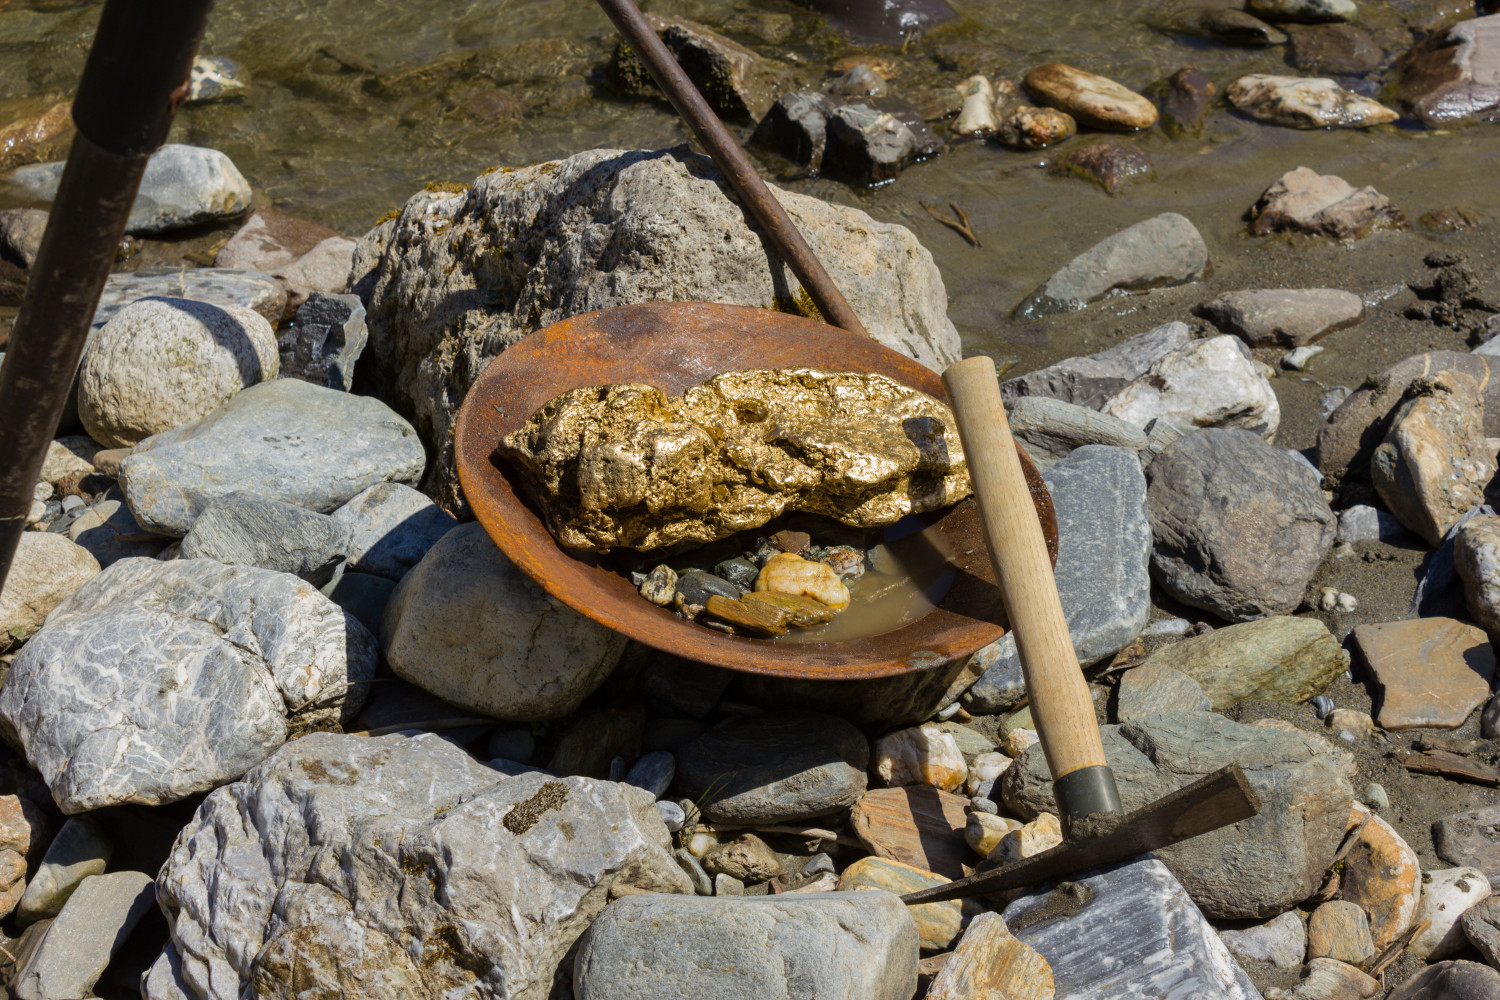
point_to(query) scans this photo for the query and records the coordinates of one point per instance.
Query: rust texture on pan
(674, 346)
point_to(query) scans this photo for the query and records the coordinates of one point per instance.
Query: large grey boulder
(1161, 251)
(391, 527)
(1240, 525)
(1127, 932)
(397, 867)
(829, 945)
(1103, 553)
(468, 626)
(160, 363)
(1255, 868)
(161, 679)
(284, 440)
(182, 186)
(246, 530)
(457, 278)
(1092, 379)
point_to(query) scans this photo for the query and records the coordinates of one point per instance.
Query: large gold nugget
(624, 465)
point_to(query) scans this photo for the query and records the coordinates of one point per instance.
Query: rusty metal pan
(673, 346)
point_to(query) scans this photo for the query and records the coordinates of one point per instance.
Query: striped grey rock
(603, 228)
(391, 528)
(830, 945)
(1161, 251)
(245, 530)
(182, 186)
(1456, 980)
(1450, 75)
(1052, 428)
(1089, 381)
(161, 679)
(78, 945)
(327, 336)
(1152, 688)
(79, 851)
(284, 440)
(468, 626)
(1104, 546)
(1253, 869)
(1128, 932)
(1208, 383)
(1240, 527)
(400, 864)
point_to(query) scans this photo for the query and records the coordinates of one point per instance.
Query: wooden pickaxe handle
(1060, 703)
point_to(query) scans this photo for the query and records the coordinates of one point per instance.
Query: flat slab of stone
(1128, 931)
(775, 768)
(1283, 317)
(1283, 659)
(1090, 380)
(1471, 839)
(1051, 429)
(915, 825)
(1431, 671)
(1104, 550)
(834, 945)
(1152, 688)
(217, 286)
(78, 945)
(284, 440)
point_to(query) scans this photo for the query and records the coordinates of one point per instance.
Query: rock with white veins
(1160, 252)
(1283, 317)
(161, 679)
(834, 945)
(1305, 102)
(399, 867)
(1106, 935)
(1206, 383)
(1089, 381)
(921, 755)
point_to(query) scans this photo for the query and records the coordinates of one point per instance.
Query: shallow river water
(355, 104)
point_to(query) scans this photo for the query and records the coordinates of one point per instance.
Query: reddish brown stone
(1453, 74)
(1108, 164)
(915, 825)
(1381, 874)
(1432, 671)
(1189, 93)
(25, 139)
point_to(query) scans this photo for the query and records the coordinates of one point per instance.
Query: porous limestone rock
(470, 627)
(398, 867)
(157, 680)
(160, 363)
(457, 278)
(625, 465)
(1255, 868)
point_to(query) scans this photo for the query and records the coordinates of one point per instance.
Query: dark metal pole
(731, 159)
(135, 79)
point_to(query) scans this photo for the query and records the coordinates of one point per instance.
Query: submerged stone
(627, 466)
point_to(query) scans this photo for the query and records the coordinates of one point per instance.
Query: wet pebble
(791, 574)
(739, 571)
(1090, 99)
(696, 586)
(1305, 102)
(1027, 127)
(1108, 164)
(1307, 11)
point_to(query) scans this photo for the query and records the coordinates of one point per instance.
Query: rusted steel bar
(135, 79)
(731, 159)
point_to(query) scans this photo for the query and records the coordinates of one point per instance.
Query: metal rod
(731, 159)
(135, 79)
